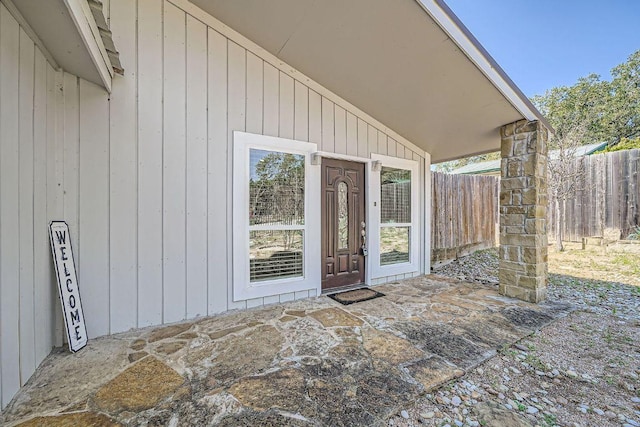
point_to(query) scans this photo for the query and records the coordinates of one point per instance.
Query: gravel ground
(582, 370)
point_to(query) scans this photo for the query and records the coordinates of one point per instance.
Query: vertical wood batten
(286, 126)
(340, 130)
(26, 191)
(372, 140)
(9, 215)
(271, 99)
(363, 141)
(301, 112)
(352, 135)
(150, 153)
(94, 208)
(71, 140)
(196, 168)
(44, 286)
(255, 93)
(391, 147)
(123, 213)
(174, 164)
(55, 103)
(382, 143)
(236, 120)
(328, 129)
(218, 152)
(301, 295)
(315, 118)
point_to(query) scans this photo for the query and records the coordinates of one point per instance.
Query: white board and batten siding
(27, 201)
(142, 175)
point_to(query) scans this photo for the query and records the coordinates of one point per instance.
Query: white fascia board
(80, 12)
(460, 38)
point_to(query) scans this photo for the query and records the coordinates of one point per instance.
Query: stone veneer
(523, 208)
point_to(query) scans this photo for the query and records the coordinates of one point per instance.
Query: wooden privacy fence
(607, 198)
(464, 214)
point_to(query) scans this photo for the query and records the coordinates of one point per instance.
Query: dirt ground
(582, 370)
(616, 262)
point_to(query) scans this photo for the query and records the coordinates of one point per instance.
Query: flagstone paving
(308, 362)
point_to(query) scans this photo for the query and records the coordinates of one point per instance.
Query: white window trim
(378, 270)
(243, 289)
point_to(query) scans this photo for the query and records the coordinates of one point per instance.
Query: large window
(276, 215)
(273, 249)
(395, 215)
(396, 219)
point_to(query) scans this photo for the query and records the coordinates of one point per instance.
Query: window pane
(275, 254)
(343, 217)
(394, 245)
(395, 195)
(276, 188)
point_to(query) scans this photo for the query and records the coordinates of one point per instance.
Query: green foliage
(550, 420)
(609, 110)
(276, 188)
(455, 164)
(591, 110)
(635, 234)
(624, 144)
(582, 103)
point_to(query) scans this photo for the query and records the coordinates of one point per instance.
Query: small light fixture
(376, 166)
(316, 159)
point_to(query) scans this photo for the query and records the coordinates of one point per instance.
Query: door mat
(356, 295)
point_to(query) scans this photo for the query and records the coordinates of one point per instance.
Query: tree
(592, 110)
(455, 164)
(624, 144)
(606, 110)
(609, 110)
(584, 103)
(276, 192)
(565, 172)
(623, 109)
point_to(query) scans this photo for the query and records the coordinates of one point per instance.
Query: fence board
(465, 213)
(466, 207)
(608, 198)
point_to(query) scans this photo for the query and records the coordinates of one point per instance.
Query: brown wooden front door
(343, 219)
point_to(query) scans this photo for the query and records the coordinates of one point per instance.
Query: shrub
(635, 234)
(624, 144)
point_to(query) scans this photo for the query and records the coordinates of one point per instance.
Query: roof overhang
(411, 64)
(68, 35)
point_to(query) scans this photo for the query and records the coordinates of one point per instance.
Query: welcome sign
(68, 284)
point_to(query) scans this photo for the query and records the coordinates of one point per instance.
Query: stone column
(523, 208)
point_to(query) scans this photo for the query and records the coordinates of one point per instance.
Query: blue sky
(546, 43)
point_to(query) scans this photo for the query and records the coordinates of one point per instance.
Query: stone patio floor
(308, 362)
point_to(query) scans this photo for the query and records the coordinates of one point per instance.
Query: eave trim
(82, 16)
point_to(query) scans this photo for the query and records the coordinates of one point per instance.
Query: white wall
(142, 176)
(150, 196)
(28, 194)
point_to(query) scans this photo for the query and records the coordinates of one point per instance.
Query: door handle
(363, 238)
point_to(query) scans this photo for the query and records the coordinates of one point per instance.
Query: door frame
(367, 178)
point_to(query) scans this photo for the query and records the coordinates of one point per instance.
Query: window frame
(413, 265)
(243, 288)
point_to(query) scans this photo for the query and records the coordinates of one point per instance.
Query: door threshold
(338, 289)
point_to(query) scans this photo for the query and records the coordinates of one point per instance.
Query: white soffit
(393, 60)
(68, 32)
